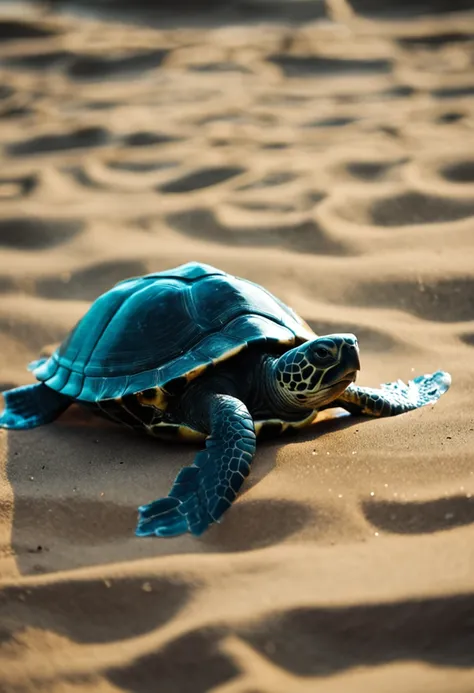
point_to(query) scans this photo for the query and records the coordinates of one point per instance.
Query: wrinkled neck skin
(268, 399)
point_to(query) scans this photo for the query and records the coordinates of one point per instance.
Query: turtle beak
(351, 354)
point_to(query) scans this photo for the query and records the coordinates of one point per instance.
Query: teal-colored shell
(149, 331)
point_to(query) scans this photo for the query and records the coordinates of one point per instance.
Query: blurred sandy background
(325, 150)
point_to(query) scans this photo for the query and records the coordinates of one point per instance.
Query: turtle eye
(321, 352)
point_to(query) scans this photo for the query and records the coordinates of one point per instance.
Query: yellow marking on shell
(306, 422)
(229, 354)
(189, 435)
(171, 432)
(287, 342)
(286, 425)
(300, 336)
(158, 399)
(195, 373)
(164, 431)
(260, 424)
(199, 370)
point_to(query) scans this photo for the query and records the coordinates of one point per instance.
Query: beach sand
(331, 161)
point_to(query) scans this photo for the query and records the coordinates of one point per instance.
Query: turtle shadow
(76, 486)
(257, 524)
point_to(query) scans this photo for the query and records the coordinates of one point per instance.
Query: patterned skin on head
(316, 372)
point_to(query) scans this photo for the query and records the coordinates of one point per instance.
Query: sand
(332, 161)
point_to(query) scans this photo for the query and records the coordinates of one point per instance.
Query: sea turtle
(197, 353)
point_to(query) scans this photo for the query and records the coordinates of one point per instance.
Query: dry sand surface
(333, 162)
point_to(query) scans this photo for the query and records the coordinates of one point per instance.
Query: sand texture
(333, 162)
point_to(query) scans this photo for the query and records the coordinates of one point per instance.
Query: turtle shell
(150, 331)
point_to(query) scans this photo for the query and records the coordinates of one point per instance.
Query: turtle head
(315, 373)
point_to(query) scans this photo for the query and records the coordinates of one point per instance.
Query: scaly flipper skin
(203, 492)
(31, 406)
(394, 398)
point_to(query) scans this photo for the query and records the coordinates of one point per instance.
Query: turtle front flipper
(203, 492)
(32, 405)
(394, 398)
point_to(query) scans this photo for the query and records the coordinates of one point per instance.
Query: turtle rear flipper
(394, 398)
(31, 406)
